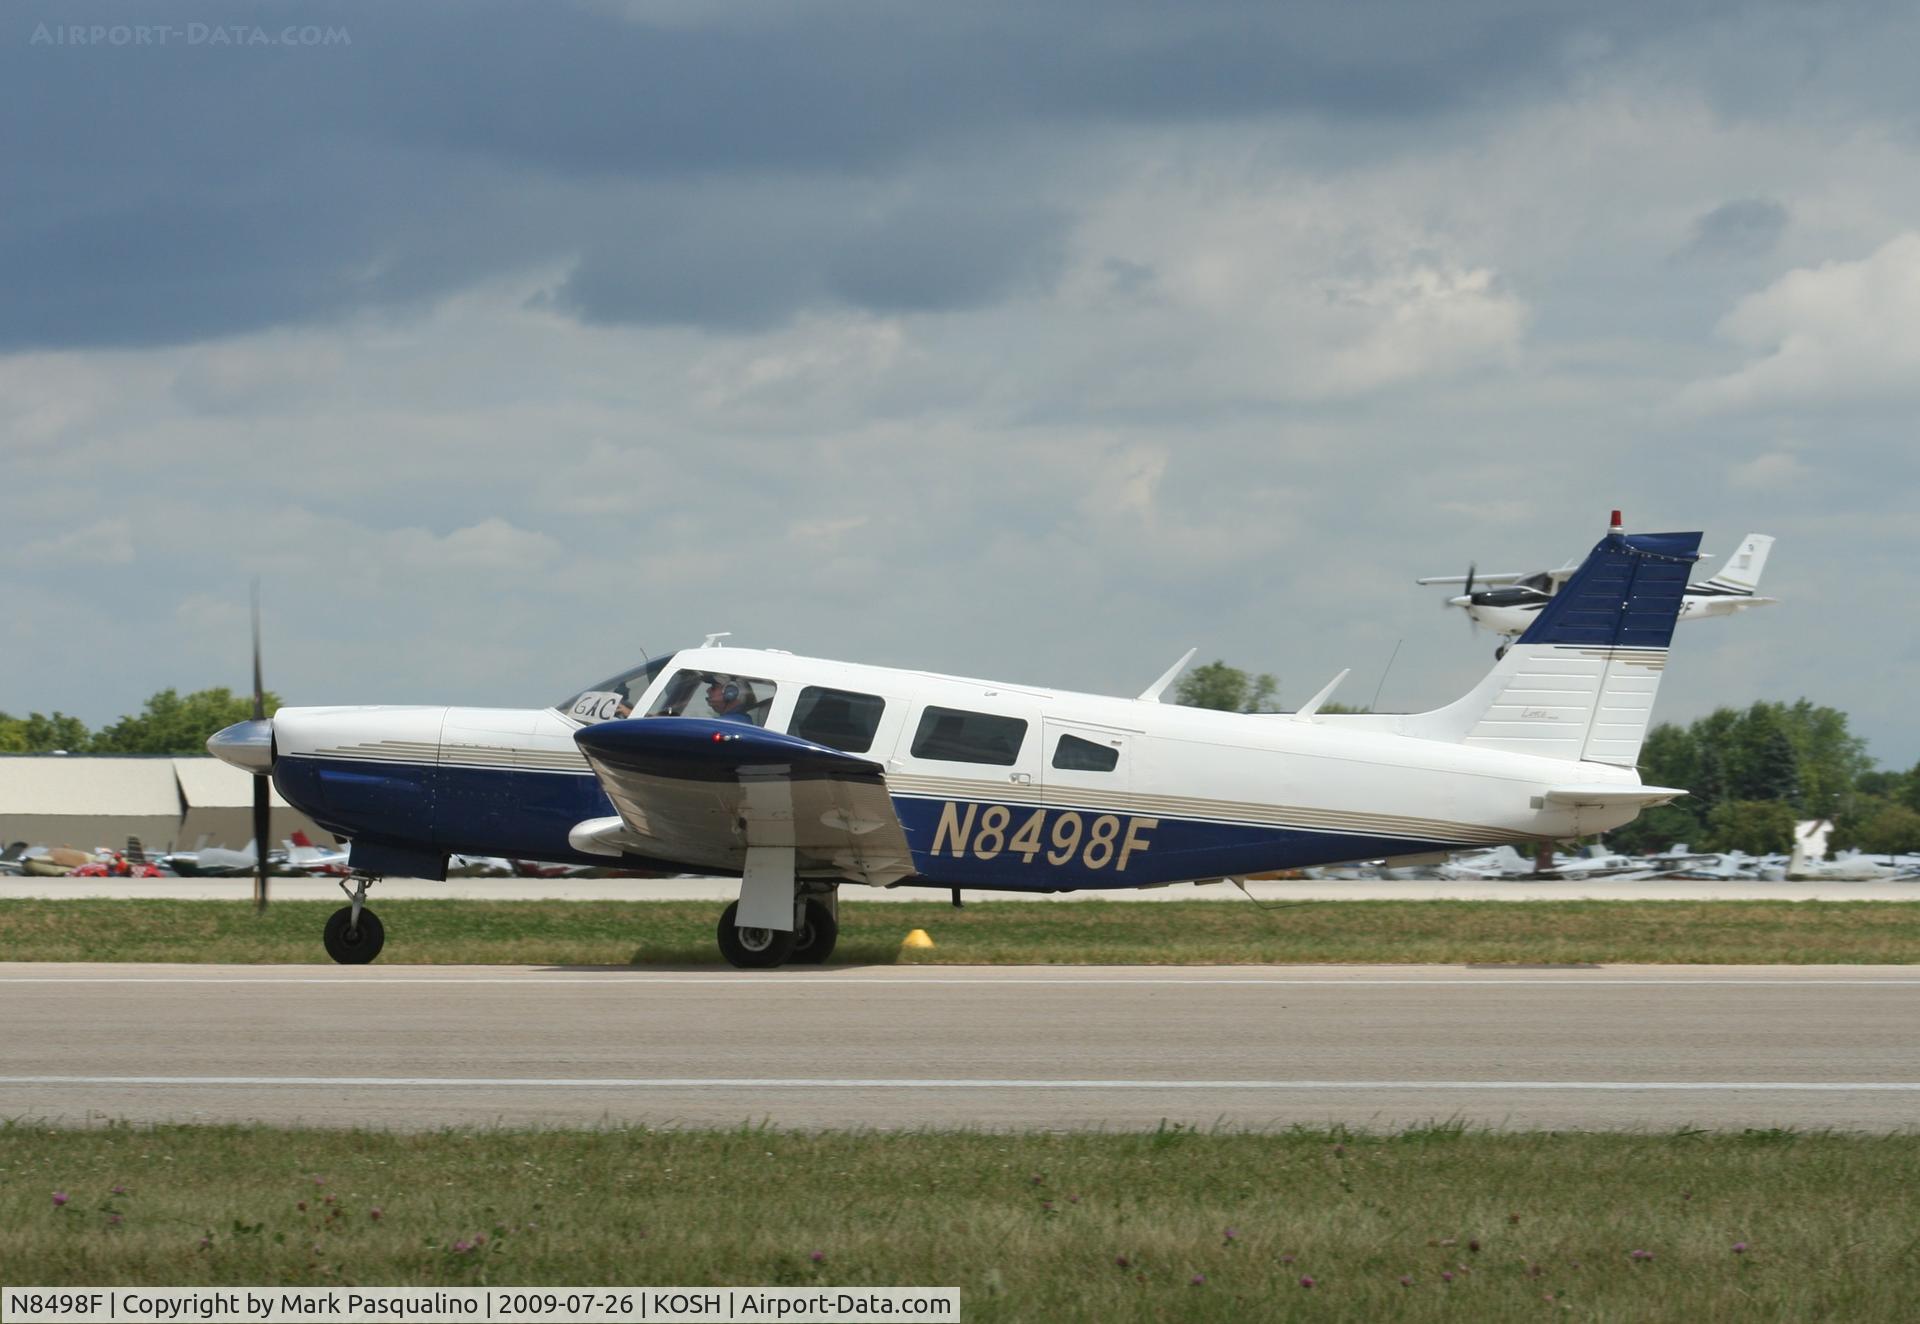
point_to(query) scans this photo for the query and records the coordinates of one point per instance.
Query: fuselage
(995, 785)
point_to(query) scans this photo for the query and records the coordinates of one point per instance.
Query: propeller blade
(259, 693)
(262, 817)
(262, 788)
(1472, 569)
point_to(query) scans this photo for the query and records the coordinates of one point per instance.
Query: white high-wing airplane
(800, 775)
(1516, 597)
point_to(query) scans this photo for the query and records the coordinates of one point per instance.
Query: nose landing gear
(354, 934)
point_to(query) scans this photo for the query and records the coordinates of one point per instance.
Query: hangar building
(86, 801)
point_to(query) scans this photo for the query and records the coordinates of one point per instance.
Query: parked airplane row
(802, 775)
(1677, 861)
(297, 857)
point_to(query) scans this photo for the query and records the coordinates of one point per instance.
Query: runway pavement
(1622, 1047)
(722, 890)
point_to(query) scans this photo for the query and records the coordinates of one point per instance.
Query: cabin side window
(839, 719)
(955, 736)
(1077, 755)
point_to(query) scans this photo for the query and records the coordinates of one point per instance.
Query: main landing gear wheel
(354, 946)
(813, 944)
(752, 949)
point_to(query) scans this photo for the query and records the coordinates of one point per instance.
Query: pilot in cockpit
(730, 698)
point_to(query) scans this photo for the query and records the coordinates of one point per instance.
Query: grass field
(1178, 1225)
(1167, 933)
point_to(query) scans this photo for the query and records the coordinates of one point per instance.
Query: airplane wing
(1505, 577)
(701, 791)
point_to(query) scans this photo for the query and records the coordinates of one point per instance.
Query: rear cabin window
(1077, 755)
(839, 719)
(963, 737)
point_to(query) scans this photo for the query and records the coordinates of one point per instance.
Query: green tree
(38, 733)
(1659, 827)
(1892, 829)
(1767, 766)
(1831, 758)
(174, 724)
(1229, 689)
(1670, 757)
(1758, 827)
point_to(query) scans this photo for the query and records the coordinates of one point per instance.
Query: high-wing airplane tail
(1732, 590)
(1580, 683)
(1741, 574)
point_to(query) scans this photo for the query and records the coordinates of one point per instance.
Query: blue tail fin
(1580, 683)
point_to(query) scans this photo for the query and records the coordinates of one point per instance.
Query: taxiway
(408, 1047)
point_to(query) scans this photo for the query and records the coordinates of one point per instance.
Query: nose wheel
(354, 934)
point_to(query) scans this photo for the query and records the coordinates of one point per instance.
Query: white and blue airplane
(1508, 607)
(801, 775)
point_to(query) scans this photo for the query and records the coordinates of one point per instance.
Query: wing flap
(703, 791)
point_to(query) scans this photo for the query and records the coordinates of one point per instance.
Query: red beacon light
(1615, 525)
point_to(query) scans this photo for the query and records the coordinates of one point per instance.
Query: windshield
(615, 698)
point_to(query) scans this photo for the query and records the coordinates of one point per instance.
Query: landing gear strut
(819, 929)
(354, 934)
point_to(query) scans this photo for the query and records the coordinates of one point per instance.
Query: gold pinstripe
(427, 753)
(1191, 807)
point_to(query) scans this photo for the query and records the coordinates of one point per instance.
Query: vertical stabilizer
(1741, 574)
(1580, 683)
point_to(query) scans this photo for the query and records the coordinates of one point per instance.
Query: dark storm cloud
(162, 194)
(1745, 227)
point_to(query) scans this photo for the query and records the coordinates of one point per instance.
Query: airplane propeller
(262, 786)
(1466, 599)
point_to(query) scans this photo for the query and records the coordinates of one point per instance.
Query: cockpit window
(615, 698)
(715, 694)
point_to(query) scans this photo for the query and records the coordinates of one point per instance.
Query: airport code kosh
(466, 1305)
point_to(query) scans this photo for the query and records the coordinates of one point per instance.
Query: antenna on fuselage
(1153, 692)
(713, 640)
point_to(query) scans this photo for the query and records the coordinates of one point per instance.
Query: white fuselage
(1113, 792)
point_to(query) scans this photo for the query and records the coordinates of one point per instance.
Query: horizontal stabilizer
(1613, 794)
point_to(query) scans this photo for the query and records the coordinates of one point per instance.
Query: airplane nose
(1464, 600)
(246, 745)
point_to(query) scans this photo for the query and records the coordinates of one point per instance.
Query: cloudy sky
(507, 342)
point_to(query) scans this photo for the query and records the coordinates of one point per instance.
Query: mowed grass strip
(995, 933)
(1427, 1224)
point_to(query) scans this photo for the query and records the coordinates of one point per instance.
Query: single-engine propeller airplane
(1506, 603)
(800, 775)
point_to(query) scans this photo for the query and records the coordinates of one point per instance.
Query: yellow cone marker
(918, 938)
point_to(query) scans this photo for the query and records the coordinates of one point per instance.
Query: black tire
(818, 933)
(351, 946)
(752, 949)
